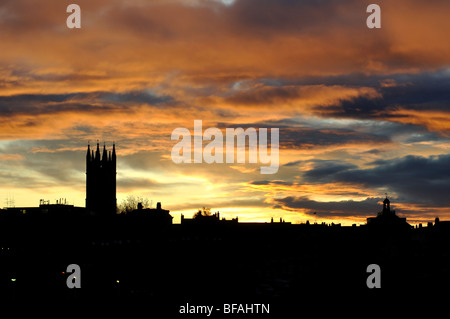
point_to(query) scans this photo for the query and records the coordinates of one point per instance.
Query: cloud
(24, 165)
(331, 209)
(301, 98)
(128, 184)
(143, 42)
(417, 179)
(420, 98)
(34, 104)
(306, 138)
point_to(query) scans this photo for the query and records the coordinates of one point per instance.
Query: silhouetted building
(101, 181)
(280, 222)
(61, 208)
(203, 218)
(387, 218)
(157, 216)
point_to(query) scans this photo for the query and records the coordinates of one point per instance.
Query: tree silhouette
(131, 203)
(203, 212)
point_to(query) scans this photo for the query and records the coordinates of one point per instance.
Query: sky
(361, 112)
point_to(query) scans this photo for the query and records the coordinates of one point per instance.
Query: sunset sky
(361, 112)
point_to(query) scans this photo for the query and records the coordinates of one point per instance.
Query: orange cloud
(438, 121)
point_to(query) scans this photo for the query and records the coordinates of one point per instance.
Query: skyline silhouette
(142, 257)
(101, 197)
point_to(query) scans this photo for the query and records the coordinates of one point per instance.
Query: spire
(88, 154)
(97, 152)
(113, 157)
(105, 154)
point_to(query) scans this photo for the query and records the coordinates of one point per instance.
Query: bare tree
(203, 212)
(131, 203)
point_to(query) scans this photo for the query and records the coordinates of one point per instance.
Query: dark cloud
(144, 97)
(265, 95)
(423, 91)
(266, 17)
(297, 135)
(302, 133)
(417, 179)
(375, 151)
(349, 208)
(77, 102)
(274, 182)
(305, 138)
(325, 168)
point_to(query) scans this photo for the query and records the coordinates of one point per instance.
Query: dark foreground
(125, 260)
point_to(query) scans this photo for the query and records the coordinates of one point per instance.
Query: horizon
(190, 214)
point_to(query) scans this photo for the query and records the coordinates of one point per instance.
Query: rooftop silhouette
(388, 219)
(206, 258)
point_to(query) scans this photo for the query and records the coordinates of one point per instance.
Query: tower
(387, 206)
(101, 181)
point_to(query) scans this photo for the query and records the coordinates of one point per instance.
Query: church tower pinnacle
(101, 181)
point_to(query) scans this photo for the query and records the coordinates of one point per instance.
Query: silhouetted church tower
(101, 181)
(387, 206)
